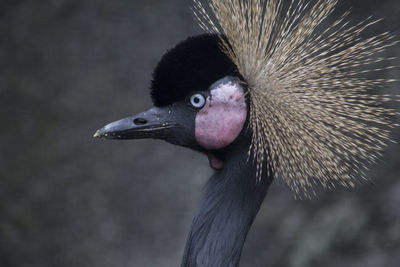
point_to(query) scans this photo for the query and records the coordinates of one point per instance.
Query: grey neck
(231, 200)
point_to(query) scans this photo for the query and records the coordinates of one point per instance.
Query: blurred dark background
(67, 67)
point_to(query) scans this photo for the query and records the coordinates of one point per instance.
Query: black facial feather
(193, 65)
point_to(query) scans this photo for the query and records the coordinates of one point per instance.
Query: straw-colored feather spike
(314, 117)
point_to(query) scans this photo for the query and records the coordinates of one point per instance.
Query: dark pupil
(196, 100)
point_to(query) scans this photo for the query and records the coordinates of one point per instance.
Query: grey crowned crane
(265, 94)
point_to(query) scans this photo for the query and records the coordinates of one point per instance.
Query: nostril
(139, 121)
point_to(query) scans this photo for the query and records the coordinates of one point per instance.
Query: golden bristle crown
(315, 118)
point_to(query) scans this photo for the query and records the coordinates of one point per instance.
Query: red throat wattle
(215, 163)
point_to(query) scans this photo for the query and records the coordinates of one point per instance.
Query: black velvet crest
(193, 65)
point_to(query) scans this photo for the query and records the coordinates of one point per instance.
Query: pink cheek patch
(221, 119)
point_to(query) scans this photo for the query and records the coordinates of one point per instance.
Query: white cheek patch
(222, 118)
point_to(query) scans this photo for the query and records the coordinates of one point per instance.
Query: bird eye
(197, 100)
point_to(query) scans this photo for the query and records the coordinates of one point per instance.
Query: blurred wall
(67, 67)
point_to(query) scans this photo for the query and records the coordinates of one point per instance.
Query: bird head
(296, 81)
(199, 101)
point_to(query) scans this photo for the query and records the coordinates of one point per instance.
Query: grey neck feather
(230, 202)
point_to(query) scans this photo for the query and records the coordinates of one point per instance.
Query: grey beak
(156, 123)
